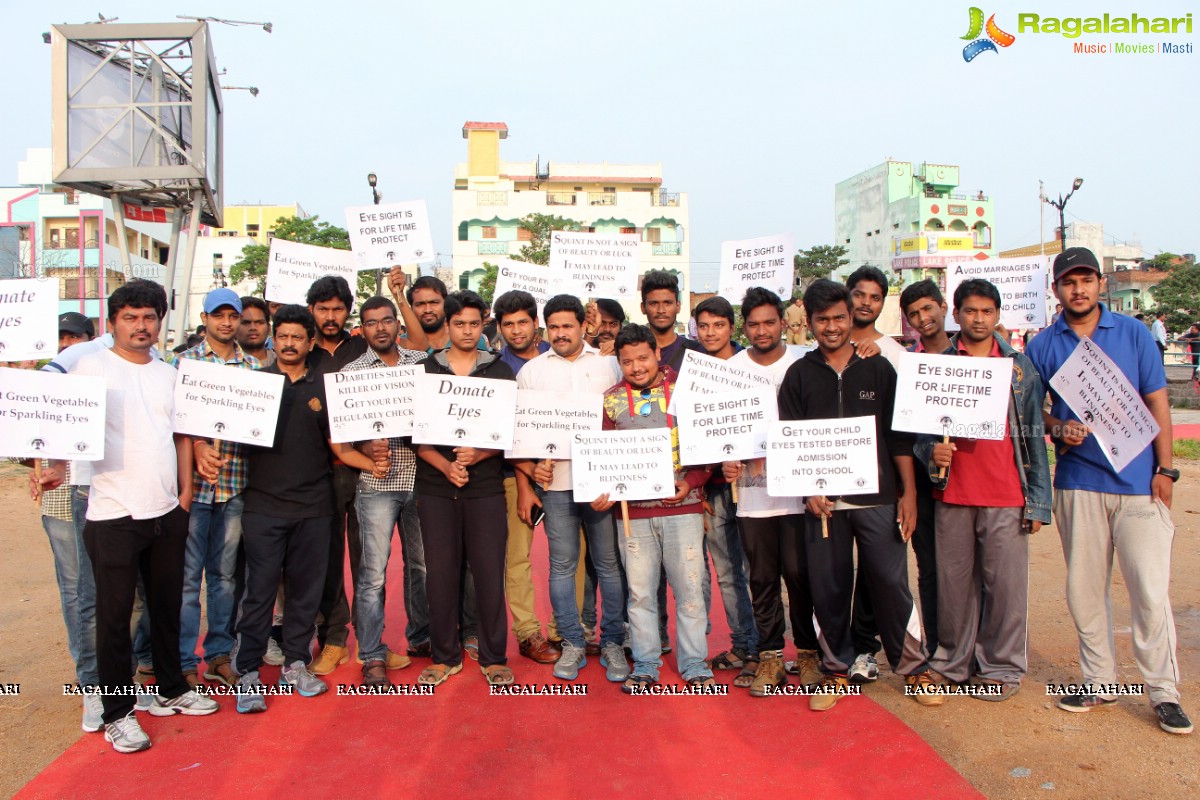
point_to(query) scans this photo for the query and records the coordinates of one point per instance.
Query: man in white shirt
(1158, 329)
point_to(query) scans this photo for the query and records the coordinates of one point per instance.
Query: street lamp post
(1060, 204)
(373, 181)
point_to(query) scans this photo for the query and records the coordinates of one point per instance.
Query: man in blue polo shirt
(1100, 510)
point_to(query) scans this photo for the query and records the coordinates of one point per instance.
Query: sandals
(193, 680)
(374, 673)
(637, 683)
(471, 645)
(730, 659)
(436, 674)
(220, 671)
(498, 675)
(702, 681)
(746, 676)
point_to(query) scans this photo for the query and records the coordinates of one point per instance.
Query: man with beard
(602, 323)
(660, 304)
(254, 331)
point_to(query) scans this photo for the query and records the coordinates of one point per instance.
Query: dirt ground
(1019, 749)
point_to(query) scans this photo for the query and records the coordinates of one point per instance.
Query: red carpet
(462, 741)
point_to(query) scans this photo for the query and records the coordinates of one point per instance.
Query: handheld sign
(595, 264)
(519, 275)
(766, 261)
(465, 412)
(822, 457)
(727, 426)
(1104, 400)
(371, 403)
(237, 405)
(952, 395)
(393, 233)
(546, 421)
(46, 415)
(625, 465)
(292, 267)
(700, 373)
(28, 319)
(1020, 281)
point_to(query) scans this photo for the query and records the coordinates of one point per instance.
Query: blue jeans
(76, 586)
(724, 544)
(378, 515)
(214, 533)
(563, 518)
(676, 544)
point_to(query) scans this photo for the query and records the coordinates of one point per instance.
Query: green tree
(818, 262)
(540, 226)
(1178, 294)
(487, 284)
(309, 230)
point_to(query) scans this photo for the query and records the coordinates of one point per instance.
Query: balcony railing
(499, 198)
(602, 198)
(668, 249)
(493, 248)
(560, 198)
(666, 198)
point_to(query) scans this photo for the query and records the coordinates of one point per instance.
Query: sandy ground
(1022, 748)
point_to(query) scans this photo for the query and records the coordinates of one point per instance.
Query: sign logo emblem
(978, 44)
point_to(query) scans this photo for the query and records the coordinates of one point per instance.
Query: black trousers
(470, 532)
(299, 549)
(924, 544)
(336, 612)
(122, 550)
(775, 549)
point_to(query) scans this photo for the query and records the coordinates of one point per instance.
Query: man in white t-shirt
(137, 518)
(771, 527)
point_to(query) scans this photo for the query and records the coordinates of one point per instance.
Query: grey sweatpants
(1094, 525)
(983, 592)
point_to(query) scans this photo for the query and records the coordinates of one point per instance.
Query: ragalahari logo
(995, 36)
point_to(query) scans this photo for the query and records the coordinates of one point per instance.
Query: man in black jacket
(832, 382)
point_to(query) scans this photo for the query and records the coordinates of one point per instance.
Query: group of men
(268, 527)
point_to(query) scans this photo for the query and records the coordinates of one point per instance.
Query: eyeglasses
(372, 324)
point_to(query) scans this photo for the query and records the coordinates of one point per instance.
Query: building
(491, 196)
(256, 222)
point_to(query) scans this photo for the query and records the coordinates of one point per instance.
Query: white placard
(1020, 281)
(829, 457)
(546, 421)
(625, 465)
(526, 277)
(227, 403)
(1103, 398)
(292, 267)
(591, 265)
(768, 261)
(726, 426)
(700, 373)
(465, 412)
(371, 403)
(393, 233)
(952, 395)
(28, 319)
(48, 415)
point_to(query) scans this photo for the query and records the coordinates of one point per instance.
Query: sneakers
(126, 735)
(249, 697)
(1172, 719)
(612, 656)
(329, 660)
(189, 704)
(770, 674)
(93, 713)
(537, 649)
(865, 668)
(274, 655)
(570, 662)
(830, 690)
(306, 683)
(925, 688)
(1079, 703)
(808, 667)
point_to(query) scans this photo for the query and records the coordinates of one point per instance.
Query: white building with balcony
(491, 197)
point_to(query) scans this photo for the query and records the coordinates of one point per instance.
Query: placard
(1020, 281)
(28, 318)
(227, 403)
(726, 426)
(525, 277)
(48, 415)
(465, 412)
(292, 267)
(546, 421)
(371, 403)
(590, 265)
(768, 261)
(700, 373)
(1103, 398)
(393, 233)
(952, 395)
(828, 457)
(625, 465)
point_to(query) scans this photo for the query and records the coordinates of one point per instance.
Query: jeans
(378, 515)
(675, 543)
(214, 533)
(724, 544)
(563, 517)
(76, 586)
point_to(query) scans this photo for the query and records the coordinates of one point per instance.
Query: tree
(1178, 294)
(818, 262)
(487, 284)
(540, 226)
(308, 230)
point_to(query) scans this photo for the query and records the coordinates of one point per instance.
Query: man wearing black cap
(74, 328)
(1100, 510)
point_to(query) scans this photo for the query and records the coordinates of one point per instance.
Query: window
(252, 230)
(628, 230)
(227, 233)
(489, 231)
(524, 235)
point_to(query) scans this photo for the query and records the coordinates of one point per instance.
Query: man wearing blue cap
(215, 521)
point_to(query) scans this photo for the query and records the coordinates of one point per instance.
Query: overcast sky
(755, 109)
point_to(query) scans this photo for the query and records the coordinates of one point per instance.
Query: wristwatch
(1167, 472)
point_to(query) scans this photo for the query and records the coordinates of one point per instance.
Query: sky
(755, 109)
